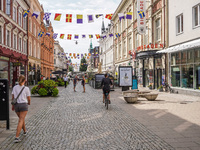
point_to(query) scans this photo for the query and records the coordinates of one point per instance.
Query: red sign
(150, 46)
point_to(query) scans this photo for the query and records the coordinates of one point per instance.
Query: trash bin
(4, 101)
(135, 83)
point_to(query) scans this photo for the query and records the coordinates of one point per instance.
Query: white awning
(181, 47)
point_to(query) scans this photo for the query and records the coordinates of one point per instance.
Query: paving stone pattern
(77, 120)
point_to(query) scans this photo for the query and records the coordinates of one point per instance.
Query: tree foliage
(83, 64)
(71, 68)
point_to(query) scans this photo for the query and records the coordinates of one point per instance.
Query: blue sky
(74, 7)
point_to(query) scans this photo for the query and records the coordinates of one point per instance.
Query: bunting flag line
(68, 17)
(121, 16)
(85, 54)
(70, 54)
(47, 34)
(40, 34)
(109, 16)
(74, 54)
(129, 15)
(79, 19)
(98, 15)
(57, 17)
(46, 16)
(97, 36)
(141, 14)
(55, 35)
(90, 36)
(90, 18)
(76, 36)
(89, 54)
(62, 36)
(69, 36)
(117, 35)
(83, 36)
(25, 13)
(77, 54)
(36, 14)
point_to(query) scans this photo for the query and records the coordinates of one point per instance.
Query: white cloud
(79, 7)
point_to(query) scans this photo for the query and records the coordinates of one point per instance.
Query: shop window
(175, 76)
(187, 76)
(197, 56)
(173, 59)
(3, 70)
(197, 76)
(196, 16)
(178, 58)
(179, 24)
(183, 57)
(190, 56)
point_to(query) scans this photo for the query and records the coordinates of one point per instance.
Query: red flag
(68, 17)
(109, 16)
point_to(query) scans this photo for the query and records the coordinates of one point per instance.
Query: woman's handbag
(14, 101)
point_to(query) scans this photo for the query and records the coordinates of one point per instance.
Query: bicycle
(106, 99)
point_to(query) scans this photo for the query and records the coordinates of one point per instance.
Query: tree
(83, 64)
(71, 68)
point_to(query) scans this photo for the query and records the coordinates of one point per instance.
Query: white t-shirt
(23, 96)
(65, 78)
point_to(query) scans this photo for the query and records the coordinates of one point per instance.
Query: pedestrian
(44, 78)
(65, 78)
(22, 94)
(75, 82)
(83, 84)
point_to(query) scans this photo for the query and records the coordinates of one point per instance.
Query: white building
(184, 46)
(60, 59)
(106, 49)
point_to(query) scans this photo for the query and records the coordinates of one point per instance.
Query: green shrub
(55, 92)
(42, 92)
(34, 90)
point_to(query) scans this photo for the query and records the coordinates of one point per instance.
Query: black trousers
(65, 84)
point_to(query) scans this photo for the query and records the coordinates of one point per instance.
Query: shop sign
(150, 46)
(141, 12)
(4, 58)
(15, 64)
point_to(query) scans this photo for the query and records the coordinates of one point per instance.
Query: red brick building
(13, 40)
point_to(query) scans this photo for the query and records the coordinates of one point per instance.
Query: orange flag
(109, 16)
(57, 17)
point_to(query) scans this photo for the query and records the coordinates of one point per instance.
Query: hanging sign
(141, 16)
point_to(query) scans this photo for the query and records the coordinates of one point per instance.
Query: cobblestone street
(80, 121)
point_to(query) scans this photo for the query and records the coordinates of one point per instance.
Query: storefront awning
(145, 54)
(182, 47)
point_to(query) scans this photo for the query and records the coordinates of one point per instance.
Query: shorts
(74, 85)
(106, 91)
(19, 107)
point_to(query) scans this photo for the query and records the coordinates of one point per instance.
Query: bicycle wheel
(107, 103)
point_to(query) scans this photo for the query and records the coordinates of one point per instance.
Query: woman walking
(83, 83)
(22, 94)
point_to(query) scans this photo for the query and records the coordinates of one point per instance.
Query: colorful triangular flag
(76, 36)
(57, 17)
(90, 18)
(55, 35)
(25, 13)
(97, 36)
(90, 36)
(83, 36)
(121, 16)
(141, 14)
(98, 15)
(129, 15)
(69, 36)
(109, 16)
(46, 16)
(62, 36)
(40, 34)
(47, 34)
(117, 35)
(110, 35)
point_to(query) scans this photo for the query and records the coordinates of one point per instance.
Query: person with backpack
(105, 84)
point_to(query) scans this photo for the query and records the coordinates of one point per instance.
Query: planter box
(151, 97)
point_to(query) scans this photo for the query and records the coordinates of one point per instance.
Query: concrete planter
(130, 96)
(151, 97)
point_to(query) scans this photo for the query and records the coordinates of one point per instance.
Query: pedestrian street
(77, 120)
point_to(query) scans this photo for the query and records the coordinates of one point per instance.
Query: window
(124, 48)
(54, 61)
(135, 12)
(119, 27)
(129, 20)
(1, 5)
(8, 7)
(8, 37)
(179, 24)
(196, 16)
(24, 23)
(20, 44)
(30, 49)
(15, 41)
(14, 14)
(119, 52)
(124, 21)
(34, 29)
(157, 30)
(20, 19)
(137, 41)
(25, 46)
(130, 44)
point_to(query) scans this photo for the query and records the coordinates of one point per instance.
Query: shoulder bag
(14, 101)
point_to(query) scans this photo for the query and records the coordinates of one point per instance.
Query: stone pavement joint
(77, 120)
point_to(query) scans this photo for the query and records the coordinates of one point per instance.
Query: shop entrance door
(146, 76)
(159, 77)
(14, 80)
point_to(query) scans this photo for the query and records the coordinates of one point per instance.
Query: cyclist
(106, 82)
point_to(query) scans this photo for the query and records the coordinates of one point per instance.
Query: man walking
(65, 78)
(75, 82)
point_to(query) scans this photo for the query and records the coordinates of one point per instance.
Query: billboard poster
(125, 76)
(141, 16)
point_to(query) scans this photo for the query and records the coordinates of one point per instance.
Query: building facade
(13, 40)
(34, 43)
(184, 46)
(150, 66)
(60, 59)
(47, 49)
(106, 49)
(124, 43)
